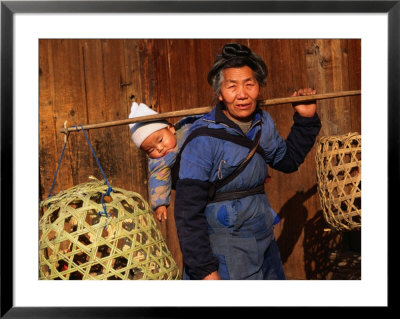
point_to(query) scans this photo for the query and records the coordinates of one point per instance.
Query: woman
(226, 232)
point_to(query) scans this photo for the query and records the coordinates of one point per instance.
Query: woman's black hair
(236, 55)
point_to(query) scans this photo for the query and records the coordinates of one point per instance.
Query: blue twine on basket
(109, 189)
(58, 166)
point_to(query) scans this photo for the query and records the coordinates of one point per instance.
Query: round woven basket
(76, 242)
(338, 160)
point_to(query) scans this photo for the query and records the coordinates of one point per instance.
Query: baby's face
(160, 143)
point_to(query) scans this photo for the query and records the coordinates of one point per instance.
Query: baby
(161, 141)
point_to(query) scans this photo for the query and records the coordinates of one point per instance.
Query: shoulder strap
(217, 133)
(217, 185)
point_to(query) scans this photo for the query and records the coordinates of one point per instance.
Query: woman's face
(160, 143)
(239, 92)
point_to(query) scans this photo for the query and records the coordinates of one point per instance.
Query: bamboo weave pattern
(75, 244)
(338, 160)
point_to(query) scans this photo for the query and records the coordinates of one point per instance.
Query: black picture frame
(9, 8)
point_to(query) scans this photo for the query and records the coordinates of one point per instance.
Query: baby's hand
(161, 211)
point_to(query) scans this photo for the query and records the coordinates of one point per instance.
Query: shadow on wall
(319, 245)
(295, 211)
(327, 254)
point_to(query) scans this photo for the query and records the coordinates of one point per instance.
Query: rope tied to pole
(59, 161)
(109, 189)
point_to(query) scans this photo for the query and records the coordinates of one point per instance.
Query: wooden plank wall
(84, 81)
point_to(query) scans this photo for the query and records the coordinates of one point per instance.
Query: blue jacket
(205, 230)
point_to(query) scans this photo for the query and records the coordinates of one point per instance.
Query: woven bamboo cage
(338, 160)
(76, 242)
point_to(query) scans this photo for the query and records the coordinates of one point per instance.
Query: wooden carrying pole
(206, 109)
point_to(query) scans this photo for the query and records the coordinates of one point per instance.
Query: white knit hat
(140, 131)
